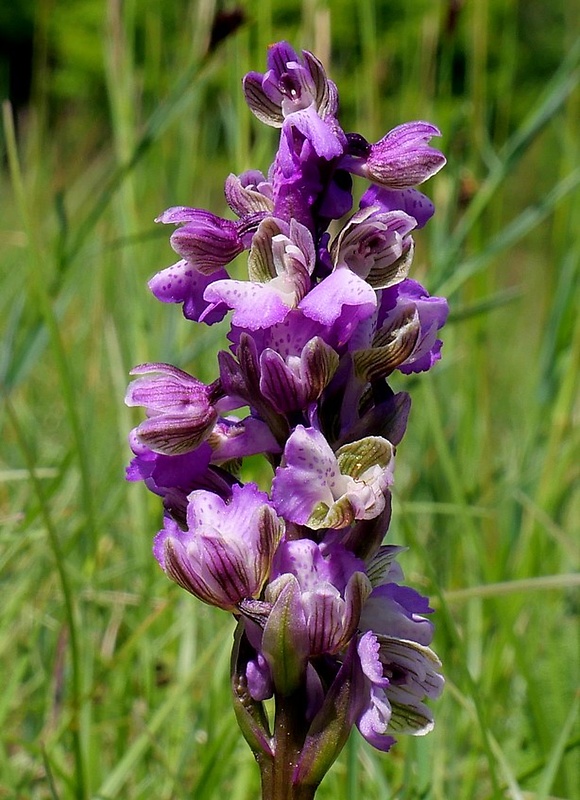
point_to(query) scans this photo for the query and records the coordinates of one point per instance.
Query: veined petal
(249, 193)
(172, 435)
(292, 383)
(265, 109)
(208, 246)
(401, 159)
(180, 408)
(225, 553)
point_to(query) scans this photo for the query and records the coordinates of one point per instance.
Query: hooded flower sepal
(249, 193)
(225, 554)
(391, 346)
(204, 240)
(330, 728)
(180, 409)
(376, 245)
(292, 383)
(232, 439)
(250, 714)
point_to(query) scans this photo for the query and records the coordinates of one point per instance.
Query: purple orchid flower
(181, 410)
(400, 160)
(224, 556)
(409, 297)
(326, 628)
(321, 489)
(280, 264)
(295, 92)
(376, 246)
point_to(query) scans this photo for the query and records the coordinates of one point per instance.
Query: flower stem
(289, 735)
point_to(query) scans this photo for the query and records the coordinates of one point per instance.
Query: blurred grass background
(115, 683)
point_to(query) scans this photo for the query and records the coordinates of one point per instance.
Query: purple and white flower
(225, 554)
(325, 625)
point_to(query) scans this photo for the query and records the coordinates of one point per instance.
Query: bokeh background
(114, 682)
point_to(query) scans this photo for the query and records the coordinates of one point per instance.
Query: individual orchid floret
(204, 240)
(249, 193)
(224, 556)
(180, 409)
(321, 489)
(332, 588)
(401, 159)
(295, 92)
(376, 245)
(280, 264)
(393, 615)
(405, 333)
(410, 299)
(294, 382)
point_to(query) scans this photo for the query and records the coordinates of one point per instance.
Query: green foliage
(115, 682)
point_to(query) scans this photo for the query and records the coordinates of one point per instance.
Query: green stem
(289, 735)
